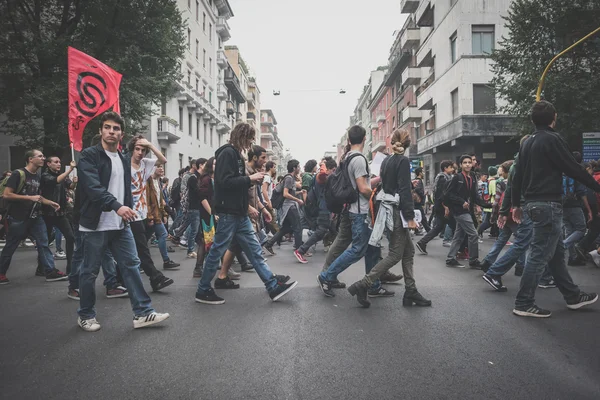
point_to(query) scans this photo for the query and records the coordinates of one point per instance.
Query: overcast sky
(326, 45)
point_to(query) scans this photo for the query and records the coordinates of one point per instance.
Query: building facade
(270, 140)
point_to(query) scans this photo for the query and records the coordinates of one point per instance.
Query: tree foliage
(142, 39)
(539, 30)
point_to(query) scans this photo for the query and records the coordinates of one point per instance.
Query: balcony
(221, 91)
(251, 98)
(267, 134)
(424, 15)
(167, 130)
(468, 126)
(233, 84)
(410, 38)
(221, 59)
(223, 126)
(397, 63)
(223, 29)
(378, 144)
(409, 6)
(425, 58)
(411, 114)
(411, 76)
(251, 116)
(380, 117)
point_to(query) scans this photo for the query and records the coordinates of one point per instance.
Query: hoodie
(231, 182)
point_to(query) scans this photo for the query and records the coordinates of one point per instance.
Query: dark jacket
(52, 190)
(458, 193)
(395, 178)
(441, 183)
(92, 196)
(543, 158)
(231, 182)
(420, 191)
(206, 192)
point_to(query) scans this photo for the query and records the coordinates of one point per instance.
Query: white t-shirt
(109, 220)
(139, 177)
(357, 168)
(267, 179)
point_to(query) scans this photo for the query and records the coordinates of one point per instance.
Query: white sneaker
(234, 275)
(88, 325)
(60, 255)
(595, 258)
(150, 319)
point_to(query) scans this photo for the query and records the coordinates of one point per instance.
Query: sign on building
(591, 146)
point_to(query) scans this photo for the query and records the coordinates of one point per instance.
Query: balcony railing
(221, 59)
(167, 129)
(251, 116)
(233, 83)
(223, 29)
(409, 6)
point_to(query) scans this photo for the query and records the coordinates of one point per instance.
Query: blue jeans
(108, 266)
(122, 246)
(176, 221)
(546, 249)
(360, 234)
(58, 239)
(161, 235)
(20, 230)
(448, 234)
(192, 231)
(575, 227)
(238, 227)
(516, 252)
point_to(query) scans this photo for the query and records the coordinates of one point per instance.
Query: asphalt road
(467, 346)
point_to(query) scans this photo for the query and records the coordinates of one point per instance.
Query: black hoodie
(231, 182)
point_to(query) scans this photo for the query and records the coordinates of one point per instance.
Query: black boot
(412, 296)
(360, 290)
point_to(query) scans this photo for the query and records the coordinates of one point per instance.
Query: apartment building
(248, 110)
(269, 139)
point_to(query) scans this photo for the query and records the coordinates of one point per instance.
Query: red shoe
(300, 257)
(4, 280)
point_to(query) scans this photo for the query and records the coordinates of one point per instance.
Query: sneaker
(325, 286)
(595, 258)
(40, 272)
(60, 255)
(422, 248)
(519, 270)
(170, 265)
(197, 273)
(192, 255)
(56, 276)
(308, 254)
(381, 293)
(282, 278)
(73, 294)
(116, 292)
(281, 290)
(233, 275)
(495, 282)
(300, 257)
(584, 299)
(175, 241)
(475, 264)
(142, 321)
(547, 285)
(389, 277)
(170, 249)
(247, 267)
(446, 243)
(485, 265)
(509, 243)
(360, 290)
(88, 325)
(209, 297)
(463, 256)
(578, 262)
(337, 285)
(226, 283)
(4, 280)
(161, 283)
(453, 263)
(269, 248)
(533, 311)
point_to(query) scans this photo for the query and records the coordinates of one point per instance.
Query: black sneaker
(519, 270)
(197, 273)
(325, 286)
(40, 272)
(453, 263)
(533, 311)
(495, 282)
(485, 265)
(4, 280)
(422, 248)
(247, 267)
(584, 299)
(281, 290)
(170, 249)
(282, 278)
(360, 290)
(73, 294)
(56, 276)
(381, 293)
(337, 285)
(161, 283)
(209, 297)
(171, 265)
(226, 283)
(475, 264)
(547, 285)
(269, 248)
(389, 277)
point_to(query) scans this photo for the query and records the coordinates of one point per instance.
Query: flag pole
(72, 152)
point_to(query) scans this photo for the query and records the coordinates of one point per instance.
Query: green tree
(142, 39)
(538, 30)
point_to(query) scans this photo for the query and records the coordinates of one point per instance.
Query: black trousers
(439, 226)
(138, 228)
(292, 224)
(63, 224)
(423, 217)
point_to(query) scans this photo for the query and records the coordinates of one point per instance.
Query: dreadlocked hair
(242, 136)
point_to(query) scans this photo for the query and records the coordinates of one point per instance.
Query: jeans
(193, 217)
(574, 222)
(58, 240)
(464, 224)
(176, 221)
(291, 224)
(355, 231)
(324, 226)
(547, 218)
(439, 225)
(516, 252)
(20, 230)
(138, 230)
(123, 247)
(161, 235)
(61, 224)
(109, 269)
(238, 227)
(449, 232)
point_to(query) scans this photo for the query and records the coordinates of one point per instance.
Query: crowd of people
(234, 206)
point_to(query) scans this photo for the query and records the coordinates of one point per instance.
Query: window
(205, 134)
(204, 22)
(453, 48)
(211, 136)
(190, 124)
(454, 98)
(181, 119)
(197, 9)
(197, 47)
(197, 84)
(483, 39)
(180, 160)
(209, 66)
(204, 58)
(484, 99)
(198, 128)
(210, 32)
(189, 39)
(417, 131)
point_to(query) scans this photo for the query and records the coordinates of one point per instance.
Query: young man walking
(22, 192)
(419, 189)
(267, 192)
(104, 199)
(543, 159)
(461, 196)
(231, 208)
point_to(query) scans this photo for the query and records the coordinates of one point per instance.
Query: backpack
(277, 196)
(311, 207)
(415, 196)
(4, 204)
(338, 188)
(568, 189)
(175, 193)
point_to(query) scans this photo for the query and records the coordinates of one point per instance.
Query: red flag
(93, 89)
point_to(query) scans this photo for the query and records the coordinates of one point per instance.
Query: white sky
(292, 45)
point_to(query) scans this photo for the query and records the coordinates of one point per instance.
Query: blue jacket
(92, 196)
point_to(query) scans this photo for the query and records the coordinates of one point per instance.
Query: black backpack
(338, 189)
(175, 193)
(277, 196)
(311, 207)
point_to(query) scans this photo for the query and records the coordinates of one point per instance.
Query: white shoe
(88, 325)
(233, 275)
(60, 255)
(150, 319)
(595, 258)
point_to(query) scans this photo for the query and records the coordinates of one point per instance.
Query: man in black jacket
(460, 197)
(230, 201)
(419, 189)
(104, 204)
(439, 209)
(543, 159)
